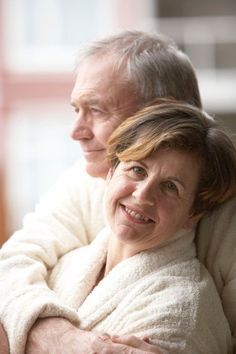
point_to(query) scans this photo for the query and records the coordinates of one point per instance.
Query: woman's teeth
(136, 215)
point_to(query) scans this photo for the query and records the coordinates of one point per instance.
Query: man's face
(102, 100)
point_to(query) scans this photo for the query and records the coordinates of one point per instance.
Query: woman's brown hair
(176, 125)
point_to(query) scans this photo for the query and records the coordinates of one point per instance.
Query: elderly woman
(170, 164)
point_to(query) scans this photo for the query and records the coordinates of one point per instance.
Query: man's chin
(97, 169)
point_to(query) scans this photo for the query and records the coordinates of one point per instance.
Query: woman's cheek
(117, 190)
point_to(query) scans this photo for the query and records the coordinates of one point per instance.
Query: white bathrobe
(70, 216)
(164, 293)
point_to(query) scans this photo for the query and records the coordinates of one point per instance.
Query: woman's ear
(109, 175)
(192, 221)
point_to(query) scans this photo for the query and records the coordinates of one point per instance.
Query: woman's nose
(144, 193)
(81, 129)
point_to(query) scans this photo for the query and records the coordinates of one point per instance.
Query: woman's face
(148, 201)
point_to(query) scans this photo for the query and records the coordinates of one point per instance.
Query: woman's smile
(135, 216)
(150, 200)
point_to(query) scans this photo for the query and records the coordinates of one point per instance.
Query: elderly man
(116, 77)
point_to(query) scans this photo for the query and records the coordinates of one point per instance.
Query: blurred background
(39, 40)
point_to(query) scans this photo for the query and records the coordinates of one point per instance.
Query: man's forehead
(95, 95)
(84, 95)
(99, 75)
(86, 99)
(90, 87)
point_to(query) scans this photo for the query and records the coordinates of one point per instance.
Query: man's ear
(192, 221)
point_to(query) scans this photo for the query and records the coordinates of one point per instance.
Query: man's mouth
(92, 150)
(92, 153)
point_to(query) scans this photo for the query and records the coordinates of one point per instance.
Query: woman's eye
(170, 187)
(139, 170)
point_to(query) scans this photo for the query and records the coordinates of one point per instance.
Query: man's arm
(56, 335)
(4, 345)
(50, 336)
(62, 221)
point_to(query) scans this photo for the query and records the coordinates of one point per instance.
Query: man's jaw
(97, 168)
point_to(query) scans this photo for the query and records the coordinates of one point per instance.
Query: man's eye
(76, 109)
(96, 110)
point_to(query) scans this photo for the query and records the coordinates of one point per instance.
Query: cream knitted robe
(70, 215)
(163, 293)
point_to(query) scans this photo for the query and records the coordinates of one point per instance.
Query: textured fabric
(218, 253)
(66, 218)
(164, 293)
(70, 215)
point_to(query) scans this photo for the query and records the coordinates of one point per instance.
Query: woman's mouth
(136, 215)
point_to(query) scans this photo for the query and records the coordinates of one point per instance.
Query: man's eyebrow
(87, 99)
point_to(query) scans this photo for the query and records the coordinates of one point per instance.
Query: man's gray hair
(152, 64)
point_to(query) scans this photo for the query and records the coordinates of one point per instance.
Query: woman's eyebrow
(172, 178)
(178, 180)
(143, 163)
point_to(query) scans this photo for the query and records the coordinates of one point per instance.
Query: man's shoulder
(76, 176)
(224, 217)
(216, 238)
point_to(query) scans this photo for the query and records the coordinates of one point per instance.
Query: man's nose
(81, 129)
(144, 193)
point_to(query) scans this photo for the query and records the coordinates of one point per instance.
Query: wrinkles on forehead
(98, 81)
(86, 97)
(118, 99)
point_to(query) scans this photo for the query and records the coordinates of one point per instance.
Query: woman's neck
(116, 253)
